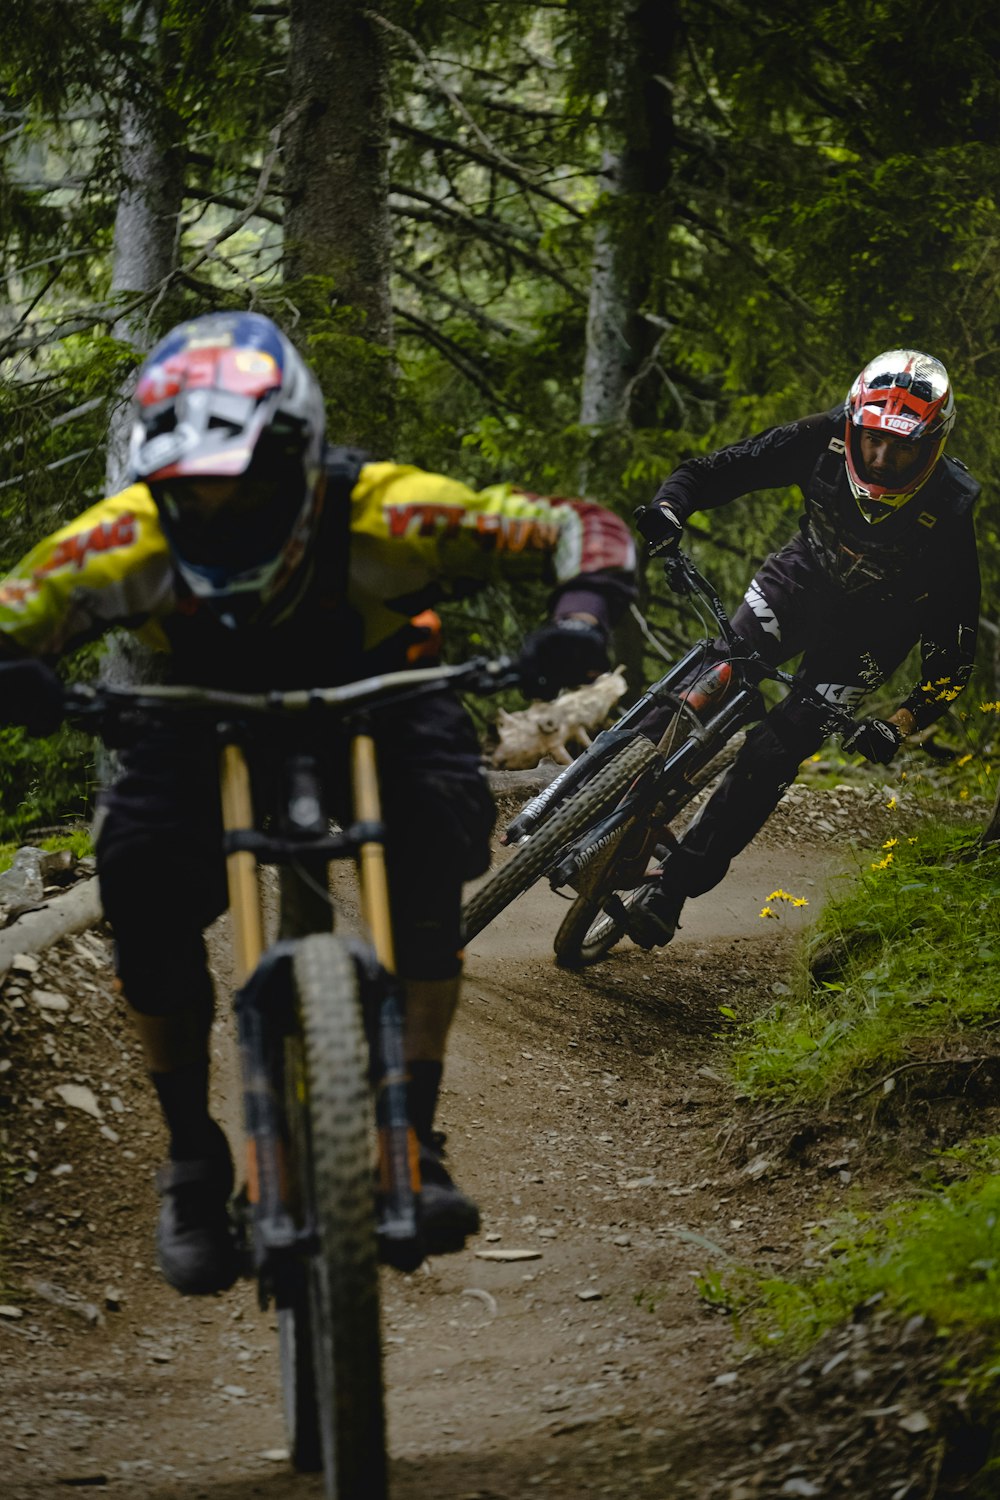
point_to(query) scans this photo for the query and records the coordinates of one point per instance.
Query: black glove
(561, 654)
(660, 528)
(31, 694)
(875, 739)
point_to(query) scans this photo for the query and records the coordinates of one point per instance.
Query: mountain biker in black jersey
(885, 557)
(256, 555)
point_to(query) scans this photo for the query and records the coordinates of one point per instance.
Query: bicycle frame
(700, 744)
(666, 693)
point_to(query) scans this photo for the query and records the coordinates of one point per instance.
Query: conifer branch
(425, 62)
(421, 328)
(505, 168)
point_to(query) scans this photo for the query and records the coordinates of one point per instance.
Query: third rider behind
(885, 557)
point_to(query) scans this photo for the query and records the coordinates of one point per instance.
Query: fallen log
(547, 730)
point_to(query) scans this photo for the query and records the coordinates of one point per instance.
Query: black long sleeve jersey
(922, 556)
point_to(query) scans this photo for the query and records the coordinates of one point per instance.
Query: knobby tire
(587, 933)
(330, 1333)
(532, 858)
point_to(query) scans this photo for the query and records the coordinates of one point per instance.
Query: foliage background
(807, 185)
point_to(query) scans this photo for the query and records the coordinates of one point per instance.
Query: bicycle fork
(262, 1016)
(398, 1152)
(700, 744)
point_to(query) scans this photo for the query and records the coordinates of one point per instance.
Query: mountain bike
(609, 819)
(332, 1165)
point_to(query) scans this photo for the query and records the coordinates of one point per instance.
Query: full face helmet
(228, 435)
(904, 396)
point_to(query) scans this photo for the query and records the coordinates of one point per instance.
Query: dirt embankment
(591, 1117)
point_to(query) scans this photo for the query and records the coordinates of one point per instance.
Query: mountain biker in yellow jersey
(885, 557)
(256, 555)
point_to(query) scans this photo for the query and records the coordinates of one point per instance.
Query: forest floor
(593, 1119)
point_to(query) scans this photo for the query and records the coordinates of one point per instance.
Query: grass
(911, 953)
(903, 966)
(937, 1255)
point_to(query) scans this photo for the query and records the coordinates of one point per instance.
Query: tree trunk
(337, 207)
(146, 223)
(638, 143)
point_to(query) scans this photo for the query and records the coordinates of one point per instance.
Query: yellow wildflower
(766, 911)
(963, 760)
(799, 901)
(890, 843)
(892, 804)
(883, 864)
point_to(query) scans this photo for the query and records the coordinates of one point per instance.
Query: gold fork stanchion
(244, 899)
(241, 867)
(399, 1152)
(372, 876)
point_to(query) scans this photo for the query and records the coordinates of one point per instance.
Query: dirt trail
(589, 1117)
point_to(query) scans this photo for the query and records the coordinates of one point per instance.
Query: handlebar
(103, 708)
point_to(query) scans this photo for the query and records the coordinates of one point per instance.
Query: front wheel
(538, 853)
(592, 926)
(329, 1326)
(587, 932)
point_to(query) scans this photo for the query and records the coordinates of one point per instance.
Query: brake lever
(675, 573)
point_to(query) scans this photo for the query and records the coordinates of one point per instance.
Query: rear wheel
(330, 1341)
(532, 858)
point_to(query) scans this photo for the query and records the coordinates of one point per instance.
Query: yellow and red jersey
(414, 538)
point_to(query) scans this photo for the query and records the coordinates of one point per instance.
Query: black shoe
(653, 917)
(195, 1245)
(447, 1216)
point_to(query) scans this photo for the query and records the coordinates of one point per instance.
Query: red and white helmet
(228, 397)
(907, 395)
